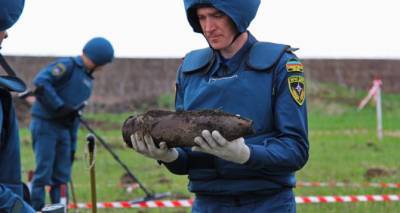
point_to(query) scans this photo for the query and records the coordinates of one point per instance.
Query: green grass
(342, 140)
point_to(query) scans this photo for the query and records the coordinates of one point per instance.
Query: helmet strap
(235, 38)
(6, 66)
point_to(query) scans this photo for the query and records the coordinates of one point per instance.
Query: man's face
(217, 27)
(3, 35)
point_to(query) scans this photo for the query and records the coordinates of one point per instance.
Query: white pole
(379, 113)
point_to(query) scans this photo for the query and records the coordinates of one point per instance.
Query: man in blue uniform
(61, 91)
(261, 81)
(11, 187)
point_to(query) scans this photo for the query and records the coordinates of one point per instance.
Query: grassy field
(343, 144)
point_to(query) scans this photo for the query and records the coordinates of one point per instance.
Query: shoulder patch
(297, 88)
(294, 65)
(58, 70)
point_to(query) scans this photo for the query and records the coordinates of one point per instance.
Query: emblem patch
(294, 65)
(297, 88)
(58, 70)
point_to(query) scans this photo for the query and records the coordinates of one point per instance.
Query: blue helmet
(242, 12)
(10, 10)
(99, 50)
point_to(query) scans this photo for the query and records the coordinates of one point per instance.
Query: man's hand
(145, 146)
(30, 99)
(66, 112)
(28, 96)
(236, 151)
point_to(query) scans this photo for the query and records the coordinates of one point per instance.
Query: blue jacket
(258, 83)
(64, 82)
(11, 189)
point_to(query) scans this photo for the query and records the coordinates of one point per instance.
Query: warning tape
(188, 203)
(344, 184)
(146, 204)
(346, 199)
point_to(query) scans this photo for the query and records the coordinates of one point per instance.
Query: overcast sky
(158, 28)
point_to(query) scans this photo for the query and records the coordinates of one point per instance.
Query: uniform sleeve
(179, 91)
(180, 165)
(287, 150)
(10, 202)
(46, 80)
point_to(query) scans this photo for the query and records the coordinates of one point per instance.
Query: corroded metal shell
(178, 129)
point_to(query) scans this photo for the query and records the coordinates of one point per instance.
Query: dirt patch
(164, 180)
(377, 172)
(126, 179)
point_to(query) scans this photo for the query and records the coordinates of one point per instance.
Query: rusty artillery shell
(178, 129)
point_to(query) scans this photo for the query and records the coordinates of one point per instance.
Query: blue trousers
(52, 147)
(281, 202)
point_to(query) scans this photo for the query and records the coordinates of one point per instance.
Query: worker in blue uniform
(11, 186)
(240, 75)
(62, 88)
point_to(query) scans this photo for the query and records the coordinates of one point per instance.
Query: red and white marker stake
(63, 198)
(375, 92)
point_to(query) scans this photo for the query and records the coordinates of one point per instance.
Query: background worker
(258, 80)
(11, 186)
(61, 91)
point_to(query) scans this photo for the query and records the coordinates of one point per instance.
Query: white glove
(236, 151)
(145, 146)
